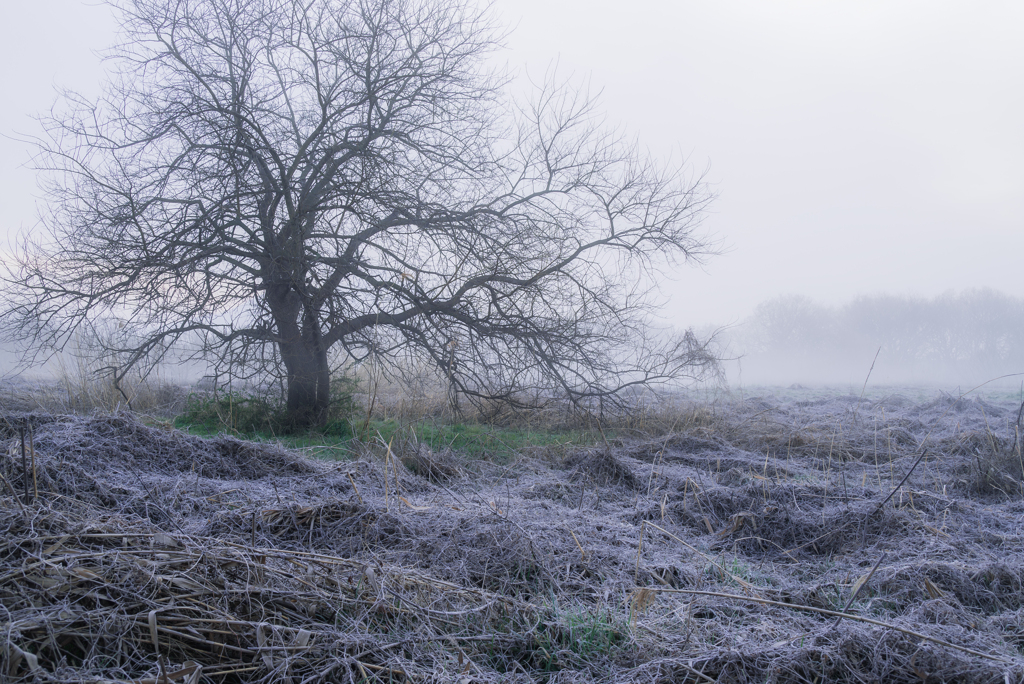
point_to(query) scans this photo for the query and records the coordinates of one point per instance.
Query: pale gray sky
(857, 147)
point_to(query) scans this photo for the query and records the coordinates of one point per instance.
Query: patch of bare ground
(832, 540)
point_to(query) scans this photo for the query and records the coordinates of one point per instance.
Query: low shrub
(250, 414)
(231, 412)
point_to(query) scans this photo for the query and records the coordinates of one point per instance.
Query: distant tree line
(964, 337)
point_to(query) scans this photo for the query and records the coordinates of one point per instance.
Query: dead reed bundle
(129, 603)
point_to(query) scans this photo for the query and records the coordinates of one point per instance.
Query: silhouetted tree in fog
(272, 179)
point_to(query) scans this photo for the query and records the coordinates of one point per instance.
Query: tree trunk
(308, 378)
(305, 361)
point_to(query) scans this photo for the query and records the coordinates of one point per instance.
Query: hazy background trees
(954, 339)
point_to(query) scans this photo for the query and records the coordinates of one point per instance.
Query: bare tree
(265, 180)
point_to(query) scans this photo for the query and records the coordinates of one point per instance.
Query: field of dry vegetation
(794, 537)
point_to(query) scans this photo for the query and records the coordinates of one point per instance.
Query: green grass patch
(258, 420)
(477, 440)
(578, 636)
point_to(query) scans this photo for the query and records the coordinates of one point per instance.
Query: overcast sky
(856, 147)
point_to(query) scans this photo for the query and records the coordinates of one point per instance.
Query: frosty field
(800, 536)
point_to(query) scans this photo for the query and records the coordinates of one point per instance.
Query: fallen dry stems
(837, 614)
(188, 597)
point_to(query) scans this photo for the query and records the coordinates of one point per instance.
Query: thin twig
(862, 389)
(14, 494)
(860, 585)
(902, 482)
(32, 450)
(24, 463)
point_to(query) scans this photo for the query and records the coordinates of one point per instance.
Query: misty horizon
(855, 150)
(954, 340)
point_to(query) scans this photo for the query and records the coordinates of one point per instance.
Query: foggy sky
(856, 147)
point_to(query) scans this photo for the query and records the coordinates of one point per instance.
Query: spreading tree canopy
(265, 181)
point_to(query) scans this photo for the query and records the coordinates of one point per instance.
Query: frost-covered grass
(716, 543)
